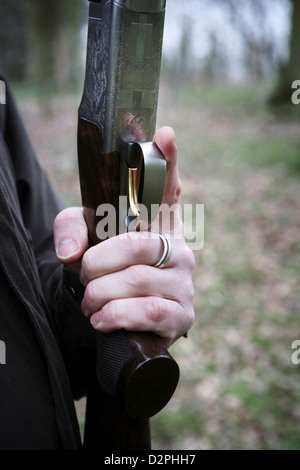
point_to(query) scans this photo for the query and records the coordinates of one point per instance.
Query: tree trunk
(14, 47)
(291, 70)
(54, 43)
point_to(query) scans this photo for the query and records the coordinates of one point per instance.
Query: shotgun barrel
(136, 376)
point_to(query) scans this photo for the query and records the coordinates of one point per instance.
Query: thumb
(70, 235)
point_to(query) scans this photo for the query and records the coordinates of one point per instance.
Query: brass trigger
(144, 201)
(133, 192)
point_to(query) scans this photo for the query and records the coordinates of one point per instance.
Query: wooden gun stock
(136, 376)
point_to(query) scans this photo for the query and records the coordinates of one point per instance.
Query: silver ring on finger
(166, 256)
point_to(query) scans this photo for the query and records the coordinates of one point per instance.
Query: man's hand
(123, 289)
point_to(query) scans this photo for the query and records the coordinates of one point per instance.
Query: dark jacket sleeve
(39, 206)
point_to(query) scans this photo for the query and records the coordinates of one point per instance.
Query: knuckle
(154, 310)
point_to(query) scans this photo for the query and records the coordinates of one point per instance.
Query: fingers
(123, 288)
(135, 281)
(168, 220)
(70, 235)
(165, 317)
(165, 140)
(118, 253)
(129, 292)
(70, 231)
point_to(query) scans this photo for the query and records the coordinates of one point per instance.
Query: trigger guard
(154, 180)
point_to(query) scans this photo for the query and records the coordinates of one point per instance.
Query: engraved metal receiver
(121, 93)
(117, 118)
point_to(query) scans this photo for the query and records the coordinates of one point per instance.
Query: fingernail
(96, 319)
(67, 248)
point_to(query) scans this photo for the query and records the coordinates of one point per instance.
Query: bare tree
(14, 47)
(289, 71)
(249, 19)
(40, 40)
(54, 37)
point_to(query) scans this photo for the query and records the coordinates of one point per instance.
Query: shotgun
(120, 168)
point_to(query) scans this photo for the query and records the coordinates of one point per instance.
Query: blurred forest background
(226, 88)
